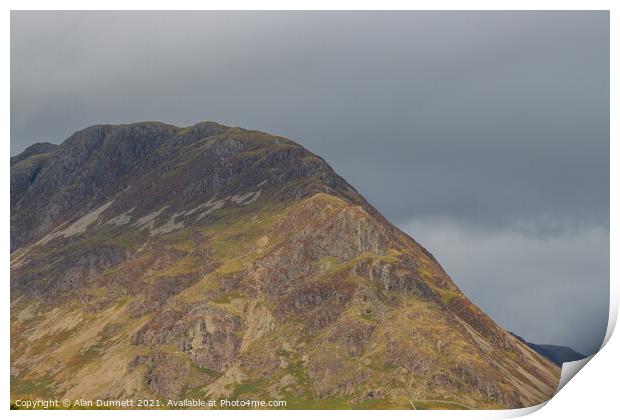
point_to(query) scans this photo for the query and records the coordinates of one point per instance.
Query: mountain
(152, 261)
(557, 354)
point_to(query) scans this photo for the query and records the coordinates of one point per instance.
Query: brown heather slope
(150, 261)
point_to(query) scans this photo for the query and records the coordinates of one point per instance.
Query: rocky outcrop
(70, 273)
(208, 335)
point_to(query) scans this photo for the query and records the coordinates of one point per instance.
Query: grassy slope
(76, 351)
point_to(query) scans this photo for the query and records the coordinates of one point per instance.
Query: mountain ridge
(146, 137)
(219, 261)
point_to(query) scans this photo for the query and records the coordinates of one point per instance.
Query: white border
(592, 395)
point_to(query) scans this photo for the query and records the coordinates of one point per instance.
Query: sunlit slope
(151, 261)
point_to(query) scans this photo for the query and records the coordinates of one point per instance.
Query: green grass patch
(446, 296)
(186, 265)
(250, 388)
(42, 388)
(438, 405)
(382, 404)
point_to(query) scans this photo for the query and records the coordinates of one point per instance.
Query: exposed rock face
(155, 261)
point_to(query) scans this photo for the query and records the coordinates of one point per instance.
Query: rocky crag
(151, 261)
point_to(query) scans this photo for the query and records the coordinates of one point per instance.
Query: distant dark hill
(557, 354)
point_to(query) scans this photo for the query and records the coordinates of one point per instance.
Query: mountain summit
(152, 261)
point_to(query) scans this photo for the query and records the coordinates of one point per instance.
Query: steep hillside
(151, 261)
(557, 354)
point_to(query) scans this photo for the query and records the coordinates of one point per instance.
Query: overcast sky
(485, 136)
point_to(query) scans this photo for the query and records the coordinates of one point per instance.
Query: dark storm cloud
(495, 122)
(550, 289)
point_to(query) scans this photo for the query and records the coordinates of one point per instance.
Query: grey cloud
(555, 280)
(497, 122)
